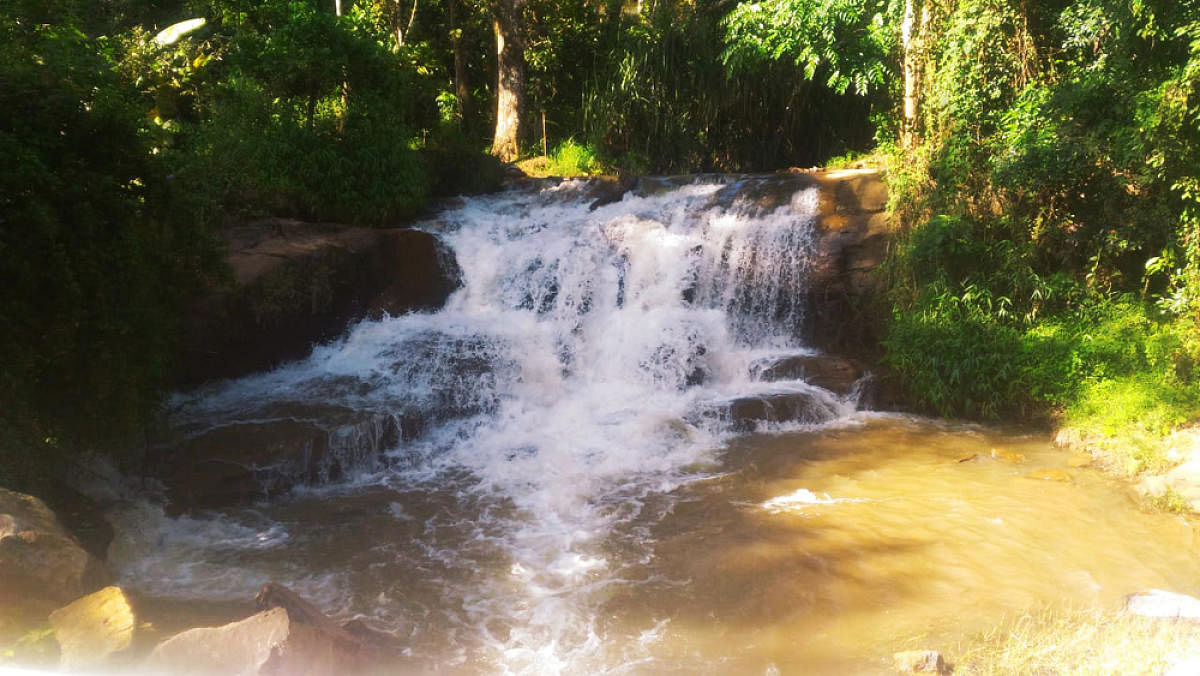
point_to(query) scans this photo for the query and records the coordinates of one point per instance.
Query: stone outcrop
(239, 648)
(91, 629)
(295, 284)
(854, 234)
(289, 636)
(243, 462)
(748, 413)
(38, 558)
(836, 374)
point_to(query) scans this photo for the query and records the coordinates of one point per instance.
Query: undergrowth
(1079, 642)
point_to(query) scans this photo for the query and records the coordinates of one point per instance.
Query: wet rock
(38, 558)
(1163, 604)
(608, 189)
(830, 372)
(355, 637)
(763, 195)
(245, 647)
(91, 629)
(649, 186)
(919, 662)
(854, 235)
(1058, 475)
(289, 636)
(242, 462)
(746, 413)
(295, 284)
(237, 463)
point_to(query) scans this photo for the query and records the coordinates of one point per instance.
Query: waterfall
(482, 467)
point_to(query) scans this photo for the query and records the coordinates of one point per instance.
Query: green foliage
(1050, 204)
(849, 44)
(97, 249)
(288, 109)
(573, 159)
(662, 96)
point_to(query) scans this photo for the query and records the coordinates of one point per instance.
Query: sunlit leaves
(853, 45)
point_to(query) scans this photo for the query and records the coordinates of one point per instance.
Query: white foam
(566, 366)
(801, 498)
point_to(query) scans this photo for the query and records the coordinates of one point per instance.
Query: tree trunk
(510, 79)
(462, 89)
(910, 41)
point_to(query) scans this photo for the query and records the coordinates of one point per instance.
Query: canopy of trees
(1045, 157)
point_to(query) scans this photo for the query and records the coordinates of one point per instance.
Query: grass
(854, 159)
(568, 158)
(1171, 501)
(1078, 642)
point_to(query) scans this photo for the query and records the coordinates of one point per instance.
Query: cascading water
(581, 374)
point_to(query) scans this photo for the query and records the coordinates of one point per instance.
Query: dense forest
(1043, 158)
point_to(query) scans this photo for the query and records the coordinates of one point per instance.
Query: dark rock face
(247, 461)
(835, 374)
(746, 414)
(854, 235)
(296, 284)
(608, 189)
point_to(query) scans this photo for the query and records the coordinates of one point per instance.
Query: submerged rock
(1059, 475)
(91, 629)
(1163, 604)
(38, 558)
(1011, 457)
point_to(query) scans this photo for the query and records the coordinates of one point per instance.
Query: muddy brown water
(806, 552)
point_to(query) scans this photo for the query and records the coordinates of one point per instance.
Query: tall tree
(508, 24)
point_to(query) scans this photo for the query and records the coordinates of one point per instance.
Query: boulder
(919, 662)
(1163, 604)
(604, 190)
(247, 461)
(746, 413)
(91, 629)
(835, 374)
(289, 636)
(240, 648)
(38, 558)
(295, 284)
(854, 235)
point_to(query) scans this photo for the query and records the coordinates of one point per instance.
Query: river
(574, 492)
